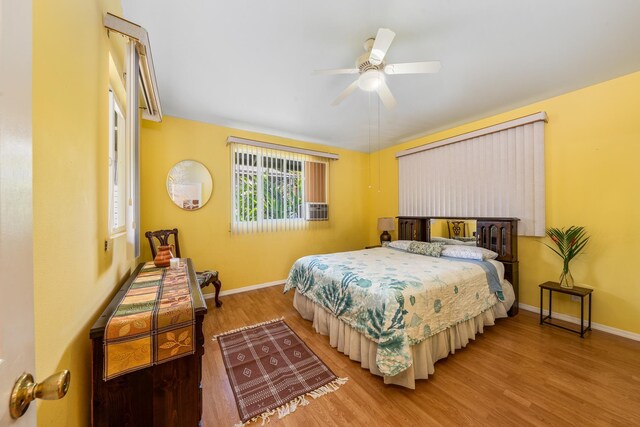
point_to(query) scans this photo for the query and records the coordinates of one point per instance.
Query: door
(16, 247)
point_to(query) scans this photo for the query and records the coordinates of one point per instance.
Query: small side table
(575, 291)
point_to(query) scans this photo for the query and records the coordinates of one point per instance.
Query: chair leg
(217, 285)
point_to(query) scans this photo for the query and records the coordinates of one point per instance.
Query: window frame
(254, 209)
(123, 159)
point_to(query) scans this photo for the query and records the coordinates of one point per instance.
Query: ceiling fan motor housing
(363, 64)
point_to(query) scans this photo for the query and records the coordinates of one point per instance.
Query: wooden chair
(163, 238)
(457, 229)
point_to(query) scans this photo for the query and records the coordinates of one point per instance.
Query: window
(271, 185)
(276, 190)
(117, 168)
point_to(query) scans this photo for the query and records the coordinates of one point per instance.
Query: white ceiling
(248, 64)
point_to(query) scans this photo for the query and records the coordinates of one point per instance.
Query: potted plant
(568, 243)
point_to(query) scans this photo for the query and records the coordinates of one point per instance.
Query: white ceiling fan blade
(338, 71)
(381, 45)
(385, 95)
(413, 68)
(345, 93)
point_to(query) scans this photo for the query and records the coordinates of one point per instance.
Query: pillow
(469, 243)
(468, 252)
(445, 241)
(425, 248)
(465, 239)
(403, 245)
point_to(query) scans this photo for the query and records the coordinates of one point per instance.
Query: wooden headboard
(497, 234)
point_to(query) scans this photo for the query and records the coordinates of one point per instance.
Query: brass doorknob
(26, 389)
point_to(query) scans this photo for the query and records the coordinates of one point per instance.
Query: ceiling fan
(372, 69)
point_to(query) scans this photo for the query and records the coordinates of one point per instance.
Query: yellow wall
(591, 154)
(74, 277)
(592, 149)
(243, 259)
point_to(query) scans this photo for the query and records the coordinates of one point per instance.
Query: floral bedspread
(394, 298)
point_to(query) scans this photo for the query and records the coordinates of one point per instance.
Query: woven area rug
(272, 371)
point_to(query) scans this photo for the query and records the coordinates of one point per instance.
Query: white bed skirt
(359, 348)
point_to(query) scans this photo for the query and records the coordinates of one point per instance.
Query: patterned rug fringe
(244, 328)
(289, 408)
(328, 388)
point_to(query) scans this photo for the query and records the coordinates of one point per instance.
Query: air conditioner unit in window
(317, 212)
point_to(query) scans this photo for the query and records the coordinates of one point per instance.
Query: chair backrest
(163, 239)
(457, 229)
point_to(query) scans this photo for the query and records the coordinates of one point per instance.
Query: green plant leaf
(569, 242)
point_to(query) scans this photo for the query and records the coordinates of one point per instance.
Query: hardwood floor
(516, 373)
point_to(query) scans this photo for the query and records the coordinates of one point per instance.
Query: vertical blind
(132, 135)
(273, 189)
(140, 79)
(494, 172)
(315, 178)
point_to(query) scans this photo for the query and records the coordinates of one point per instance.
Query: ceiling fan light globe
(369, 81)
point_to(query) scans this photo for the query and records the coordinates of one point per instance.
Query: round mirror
(189, 184)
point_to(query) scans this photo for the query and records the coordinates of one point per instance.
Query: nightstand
(575, 291)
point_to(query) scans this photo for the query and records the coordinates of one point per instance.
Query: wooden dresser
(168, 394)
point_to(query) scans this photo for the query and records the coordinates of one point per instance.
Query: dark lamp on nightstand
(385, 225)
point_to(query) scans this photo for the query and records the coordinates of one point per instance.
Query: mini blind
(493, 172)
(273, 189)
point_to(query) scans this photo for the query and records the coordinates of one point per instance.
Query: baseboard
(245, 289)
(571, 319)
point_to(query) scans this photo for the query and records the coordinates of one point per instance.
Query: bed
(398, 312)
